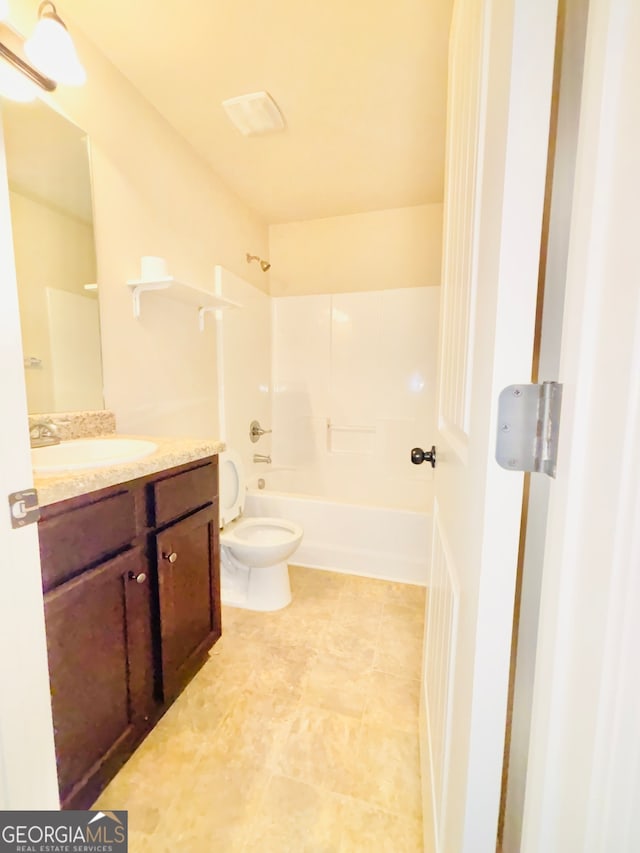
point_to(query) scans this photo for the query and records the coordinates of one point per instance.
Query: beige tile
(229, 616)
(399, 655)
(302, 630)
(281, 667)
(401, 626)
(295, 818)
(140, 842)
(323, 694)
(150, 781)
(335, 684)
(404, 613)
(358, 612)
(231, 648)
(388, 773)
(215, 812)
(406, 594)
(253, 731)
(312, 606)
(355, 644)
(393, 701)
(252, 625)
(320, 749)
(365, 829)
(201, 710)
(366, 588)
(322, 582)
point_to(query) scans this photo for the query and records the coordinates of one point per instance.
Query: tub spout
(259, 457)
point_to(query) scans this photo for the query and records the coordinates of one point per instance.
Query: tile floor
(299, 735)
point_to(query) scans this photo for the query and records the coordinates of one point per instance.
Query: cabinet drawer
(176, 496)
(75, 539)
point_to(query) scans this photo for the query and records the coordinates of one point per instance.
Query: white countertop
(171, 452)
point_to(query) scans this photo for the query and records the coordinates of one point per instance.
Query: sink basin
(88, 453)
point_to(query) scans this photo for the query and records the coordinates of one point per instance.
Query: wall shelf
(203, 300)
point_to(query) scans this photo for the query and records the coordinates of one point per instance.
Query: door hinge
(23, 507)
(528, 426)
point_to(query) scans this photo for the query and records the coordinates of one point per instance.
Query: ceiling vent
(254, 114)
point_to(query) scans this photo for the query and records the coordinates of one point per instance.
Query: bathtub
(390, 544)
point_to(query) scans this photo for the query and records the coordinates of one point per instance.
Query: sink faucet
(43, 433)
(258, 457)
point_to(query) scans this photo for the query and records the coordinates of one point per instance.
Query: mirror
(52, 222)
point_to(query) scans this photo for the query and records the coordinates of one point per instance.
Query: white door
(500, 80)
(583, 781)
(27, 760)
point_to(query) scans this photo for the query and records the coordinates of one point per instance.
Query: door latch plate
(23, 508)
(528, 426)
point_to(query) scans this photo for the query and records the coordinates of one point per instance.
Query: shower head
(264, 265)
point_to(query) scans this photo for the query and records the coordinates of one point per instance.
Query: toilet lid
(232, 486)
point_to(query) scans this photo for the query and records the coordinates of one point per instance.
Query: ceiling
(361, 85)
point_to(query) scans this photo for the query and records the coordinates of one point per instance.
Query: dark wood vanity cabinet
(187, 591)
(132, 606)
(101, 668)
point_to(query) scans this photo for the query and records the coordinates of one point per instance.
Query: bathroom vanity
(132, 606)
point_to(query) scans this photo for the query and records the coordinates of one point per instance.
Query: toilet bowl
(253, 551)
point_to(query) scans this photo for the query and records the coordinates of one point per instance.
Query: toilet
(253, 551)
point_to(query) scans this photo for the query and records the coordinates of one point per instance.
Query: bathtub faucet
(258, 457)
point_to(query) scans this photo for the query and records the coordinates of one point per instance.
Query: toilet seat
(232, 486)
(261, 530)
(261, 541)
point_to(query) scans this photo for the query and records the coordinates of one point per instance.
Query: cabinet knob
(138, 578)
(172, 557)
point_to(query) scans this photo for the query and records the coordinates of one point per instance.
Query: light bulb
(52, 51)
(4, 10)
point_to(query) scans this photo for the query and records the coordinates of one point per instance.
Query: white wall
(354, 390)
(377, 250)
(244, 368)
(153, 196)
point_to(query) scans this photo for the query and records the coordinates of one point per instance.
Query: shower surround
(354, 389)
(351, 380)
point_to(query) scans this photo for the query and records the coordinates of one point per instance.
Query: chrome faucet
(258, 457)
(255, 431)
(43, 433)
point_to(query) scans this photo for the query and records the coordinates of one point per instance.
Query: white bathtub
(391, 544)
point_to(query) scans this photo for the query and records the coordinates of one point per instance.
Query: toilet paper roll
(153, 269)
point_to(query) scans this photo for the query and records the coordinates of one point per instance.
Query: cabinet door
(101, 672)
(189, 594)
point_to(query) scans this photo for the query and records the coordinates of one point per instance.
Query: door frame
(28, 778)
(583, 777)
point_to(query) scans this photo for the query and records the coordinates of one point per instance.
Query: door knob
(172, 557)
(418, 456)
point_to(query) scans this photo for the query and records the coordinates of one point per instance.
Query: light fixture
(16, 86)
(254, 114)
(48, 57)
(51, 49)
(4, 9)
(264, 265)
